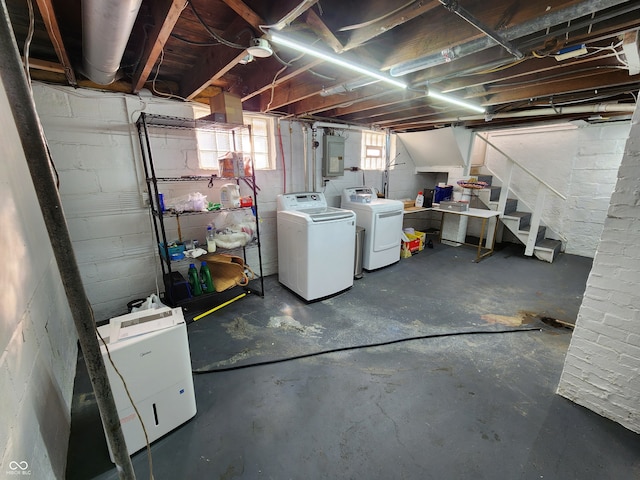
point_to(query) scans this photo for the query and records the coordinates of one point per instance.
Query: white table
(485, 215)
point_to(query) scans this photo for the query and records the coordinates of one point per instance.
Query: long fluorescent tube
(455, 101)
(277, 38)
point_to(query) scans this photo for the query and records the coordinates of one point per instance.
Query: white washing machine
(316, 245)
(381, 219)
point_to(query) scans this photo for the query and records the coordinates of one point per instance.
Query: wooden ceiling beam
(312, 19)
(315, 104)
(53, 29)
(293, 92)
(596, 81)
(214, 64)
(165, 15)
(390, 99)
(403, 15)
(281, 79)
(249, 16)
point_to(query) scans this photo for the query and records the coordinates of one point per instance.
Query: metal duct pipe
(37, 157)
(106, 27)
(585, 8)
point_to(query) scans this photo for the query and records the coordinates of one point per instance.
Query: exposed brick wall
(602, 367)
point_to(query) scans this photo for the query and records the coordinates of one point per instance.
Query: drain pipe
(37, 157)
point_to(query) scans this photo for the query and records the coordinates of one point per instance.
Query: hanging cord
(284, 165)
(27, 42)
(201, 371)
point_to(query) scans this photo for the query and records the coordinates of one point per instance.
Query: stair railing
(543, 187)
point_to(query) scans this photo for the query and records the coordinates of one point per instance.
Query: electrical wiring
(155, 77)
(550, 77)
(196, 44)
(212, 32)
(275, 77)
(27, 42)
(126, 389)
(378, 19)
(201, 371)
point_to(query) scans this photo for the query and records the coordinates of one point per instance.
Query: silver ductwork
(106, 27)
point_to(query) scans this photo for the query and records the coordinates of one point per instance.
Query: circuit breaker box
(333, 156)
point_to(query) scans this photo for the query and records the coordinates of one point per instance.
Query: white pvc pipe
(598, 108)
(106, 27)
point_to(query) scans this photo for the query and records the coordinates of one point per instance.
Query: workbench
(484, 215)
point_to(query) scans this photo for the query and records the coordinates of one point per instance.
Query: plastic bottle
(205, 278)
(420, 199)
(194, 280)
(211, 241)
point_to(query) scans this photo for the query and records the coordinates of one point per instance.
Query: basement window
(213, 145)
(373, 151)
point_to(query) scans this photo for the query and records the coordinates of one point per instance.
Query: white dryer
(381, 219)
(316, 245)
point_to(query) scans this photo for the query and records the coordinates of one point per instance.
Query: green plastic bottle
(205, 278)
(194, 281)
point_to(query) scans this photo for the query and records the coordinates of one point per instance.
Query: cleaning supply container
(230, 195)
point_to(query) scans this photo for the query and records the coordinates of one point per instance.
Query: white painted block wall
(37, 334)
(602, 366)
(579, 162)
(96, 151)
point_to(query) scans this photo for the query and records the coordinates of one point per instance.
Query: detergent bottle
(230, 195)
(205, 278)
(420, 199)
(194, 280)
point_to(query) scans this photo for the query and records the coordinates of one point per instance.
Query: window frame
(227, 140)
(367, 162)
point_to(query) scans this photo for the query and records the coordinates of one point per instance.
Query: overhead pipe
(37, 157)
(106, 28)
(544, 22)
(543, 112)
(454, 6)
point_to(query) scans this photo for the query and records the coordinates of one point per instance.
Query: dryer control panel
(358, 195)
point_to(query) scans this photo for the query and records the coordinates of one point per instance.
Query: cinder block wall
(37, 334)
(602, 366)
(579, 162)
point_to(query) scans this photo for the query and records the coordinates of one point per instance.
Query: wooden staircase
(519, 222)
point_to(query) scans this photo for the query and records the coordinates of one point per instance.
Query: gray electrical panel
(333, 156)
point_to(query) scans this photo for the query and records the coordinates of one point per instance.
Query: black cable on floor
(201, 371)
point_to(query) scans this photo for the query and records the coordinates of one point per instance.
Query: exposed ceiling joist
(48, 14)
(165, 15)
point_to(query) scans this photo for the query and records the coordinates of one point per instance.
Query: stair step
(525, 218)
(511, 205)
(485, 178)
(541, 232)
(547, 249)
(494, 195)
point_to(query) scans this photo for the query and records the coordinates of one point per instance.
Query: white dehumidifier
(151, 351)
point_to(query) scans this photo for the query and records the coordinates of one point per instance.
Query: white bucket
(230, 195)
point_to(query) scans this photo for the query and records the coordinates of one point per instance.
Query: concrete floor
(478, 405)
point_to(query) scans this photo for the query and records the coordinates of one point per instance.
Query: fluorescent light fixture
(456, 101)
(279, 39)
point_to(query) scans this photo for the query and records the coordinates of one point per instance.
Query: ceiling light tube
(279, 39)
(456, 101)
